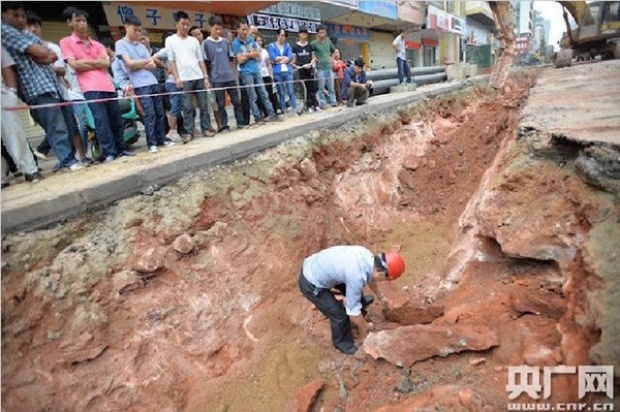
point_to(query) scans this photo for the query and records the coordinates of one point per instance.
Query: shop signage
(267, 22)
(152, 17)
(289, 9)
(428, 42)
(443, 21)
(412, 44)
(347, 32)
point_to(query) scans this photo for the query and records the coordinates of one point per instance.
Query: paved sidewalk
(27, 206)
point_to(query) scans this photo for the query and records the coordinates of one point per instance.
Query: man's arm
(41, 54)
(87, 65)
(9, 77)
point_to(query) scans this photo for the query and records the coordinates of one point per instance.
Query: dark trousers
(233, 93)
(307, 75)
(53, 123)
(325, 301)
(154, 114)
(108, 122)
(189, 111)
(72, 127)
(358, 94)
(268, 81)
(245, 104)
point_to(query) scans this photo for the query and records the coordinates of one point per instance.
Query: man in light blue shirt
(348, 269)
(138, 64)
(246, 51)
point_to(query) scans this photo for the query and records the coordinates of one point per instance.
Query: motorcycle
(130, 116)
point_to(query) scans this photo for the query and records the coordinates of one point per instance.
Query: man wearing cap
(348, 269)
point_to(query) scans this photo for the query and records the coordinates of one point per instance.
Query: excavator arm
(502, 15)
(507, 43)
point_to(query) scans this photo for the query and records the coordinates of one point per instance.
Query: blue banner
(384, 8)
(347, 32)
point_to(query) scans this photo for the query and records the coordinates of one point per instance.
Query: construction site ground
(169, 282)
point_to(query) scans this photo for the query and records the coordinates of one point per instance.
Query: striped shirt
(34, 79)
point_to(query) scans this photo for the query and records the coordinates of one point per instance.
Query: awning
(231, 8)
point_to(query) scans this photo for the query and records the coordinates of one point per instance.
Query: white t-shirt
(399, 42)
(187, 53)
(262, 63)
(59, 63)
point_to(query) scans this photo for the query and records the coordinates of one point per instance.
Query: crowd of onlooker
(78, 91)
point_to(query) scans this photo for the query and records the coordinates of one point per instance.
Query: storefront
(449, 31)
(352, 41)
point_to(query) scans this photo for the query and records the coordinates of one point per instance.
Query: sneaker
(187, 138)
(224, 129)
(318, 109)
(75, 166)
(310, 110)
(56, 168)
(241, 126)
(39, 155)
(168, 143)
(351, 104)
(209, 133)
(36, 177)
(109, 158)
(348, 351)
(276, 118)
(153, 149)
(86, 161)
(127, 153)
(174, 136)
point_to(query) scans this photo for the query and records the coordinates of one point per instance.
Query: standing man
(137, 62)
(324, 49)
(304, 61)
(401, 58)
(355, 86)
(90, 61)
(37, 80)
(13, 135)
(247, 51)
(348, 269)
(197, 33)
(34, 24)
(217, 53)
(190, 74)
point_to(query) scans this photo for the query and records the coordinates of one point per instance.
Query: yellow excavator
(597, 33)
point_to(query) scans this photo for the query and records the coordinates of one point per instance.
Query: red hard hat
(395, 265)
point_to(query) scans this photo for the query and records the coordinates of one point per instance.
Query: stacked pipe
(385, 78)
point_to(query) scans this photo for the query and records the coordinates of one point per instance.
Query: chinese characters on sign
(442, 21)
(151, 17)
(526, 380)
(266, 22)
(288, 9)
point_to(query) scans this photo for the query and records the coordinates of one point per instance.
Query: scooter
(130, 116)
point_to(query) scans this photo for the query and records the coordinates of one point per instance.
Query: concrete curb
(51, 208)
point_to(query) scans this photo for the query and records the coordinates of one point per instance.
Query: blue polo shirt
(239, 46)
(135, 51)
